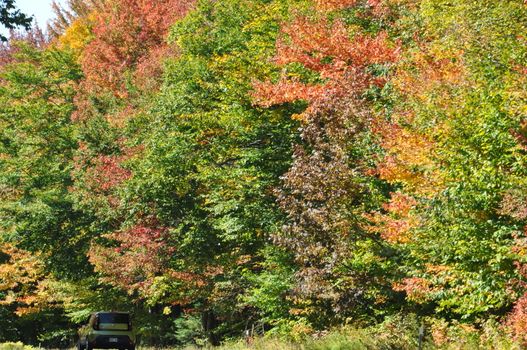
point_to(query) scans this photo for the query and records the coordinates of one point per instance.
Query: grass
(398, 333)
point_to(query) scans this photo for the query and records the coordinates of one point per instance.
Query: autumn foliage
(24, 281)
(331, 5)
(221, 166)
(327, 49)
(141, 253)
(127, 34)
(320, 189)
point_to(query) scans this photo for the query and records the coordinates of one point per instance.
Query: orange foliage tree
(321, 190)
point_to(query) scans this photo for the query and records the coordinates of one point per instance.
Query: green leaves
(38, 142)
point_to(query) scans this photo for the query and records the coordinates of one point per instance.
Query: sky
(40, 9)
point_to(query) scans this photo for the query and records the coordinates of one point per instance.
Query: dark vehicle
(107, 330)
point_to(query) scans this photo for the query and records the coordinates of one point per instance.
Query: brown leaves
(320, 193)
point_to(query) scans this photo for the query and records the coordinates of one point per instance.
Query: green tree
(457, 97)
(208, 161)
(37, 147)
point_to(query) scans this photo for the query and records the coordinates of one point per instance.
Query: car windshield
(113, 318)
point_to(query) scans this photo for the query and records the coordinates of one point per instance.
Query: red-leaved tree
(127, 34)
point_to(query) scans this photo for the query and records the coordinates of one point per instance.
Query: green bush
(15, 346)
(396, 332)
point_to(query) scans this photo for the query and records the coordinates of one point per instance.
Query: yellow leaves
(24, 281)
(516, 91)
(431, 75)
(299, 117)
(21, 269)
(410, 159)
(78, 35)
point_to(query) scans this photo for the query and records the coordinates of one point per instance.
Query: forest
(288, 168)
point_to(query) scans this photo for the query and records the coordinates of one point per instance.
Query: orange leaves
(409, 159)
(422, 290)
(23, 281)
(417, 289)
(329, 5)
(325, 48)
(22, 268)
(286, 90)
(309, 42)
(320, 192)
(395, 225)
(426, 81)
(431, 76)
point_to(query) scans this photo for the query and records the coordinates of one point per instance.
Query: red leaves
(108, 172)
(517, 320)
(138, 260)
(98, 177)
(104, 174)
(127, 32)
(142, 253)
